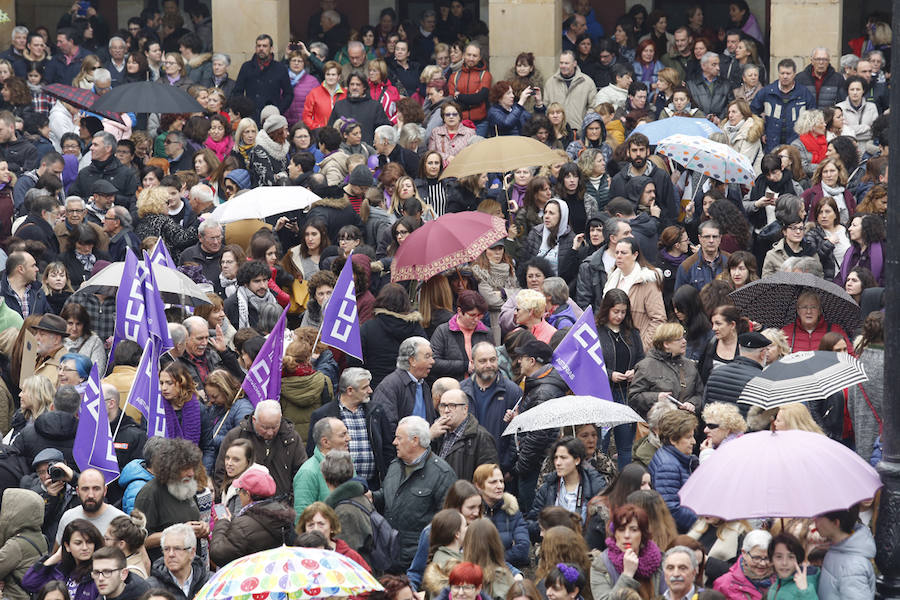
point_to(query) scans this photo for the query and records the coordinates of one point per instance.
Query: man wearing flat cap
(103, 196)
(542, 383)
(725, 383)
(49, 335)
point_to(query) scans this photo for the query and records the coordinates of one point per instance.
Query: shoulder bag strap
(872, 408)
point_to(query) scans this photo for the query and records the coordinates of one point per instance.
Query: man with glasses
(117, 224)
(820, 78)
(704, 266)
(752, 574)
(175, 145)
(109, 570)
(276, 445)
(207, 252)
(463, 443)
(180, 571)
(75, 213)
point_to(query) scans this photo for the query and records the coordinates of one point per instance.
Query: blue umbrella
(657, 130)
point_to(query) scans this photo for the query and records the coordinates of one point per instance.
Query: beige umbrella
(499, 155)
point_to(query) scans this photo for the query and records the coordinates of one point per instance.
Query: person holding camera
(52, 480)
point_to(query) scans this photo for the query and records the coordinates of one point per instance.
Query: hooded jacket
(542, 385)
(268, 160)
(367, 112)
(665, 191)
(537, 237)
(577, 146)
(576, 97)
(381, 337)
(511, 526)
(449, 346)
(847, 572)
(301, 395)
(356, 526)
(52, 429)
(336, 212)
(258, 526)
(20, 529)
(133, 477)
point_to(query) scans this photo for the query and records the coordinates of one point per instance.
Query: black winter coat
(449, 346)
(20, 155)
(269, 85)
(367, 112)
(381, 337)
(53, 429)
(591, 280)
(592, 483)
(543, 385)
(336, 212)
(474, 447)
(123, 178)
(832, 90)
(711, 101)
(567, 263)
(75, 268)
(39, 230)
(665, 191)
(726, 382)
(160, 577)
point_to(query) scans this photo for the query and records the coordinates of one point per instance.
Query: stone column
(790, 41)
(9, 7)
(520, 25)
(236, 23)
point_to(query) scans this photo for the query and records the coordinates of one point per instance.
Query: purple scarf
(649, 559)
(675, 260)
(517, 194)
(191, 420)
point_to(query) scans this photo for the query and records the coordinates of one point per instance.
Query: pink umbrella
(781, 474)
(444, 243)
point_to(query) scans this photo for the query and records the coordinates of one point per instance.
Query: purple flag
(156, 310)
(145, 386)
(160, 255)
(93, 446)
(263, 380)
(579, 359)
(131, 310)
(340, 322)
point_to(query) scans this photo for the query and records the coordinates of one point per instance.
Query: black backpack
(385, 546)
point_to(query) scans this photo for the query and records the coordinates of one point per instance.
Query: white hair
(681, 550)
(192, 323)
(267, 406)
(73, 199)
(110, 391)
(115, 38)
(185, 531)
(758, 538)
(204, 193)
(102, 75)
(178, 333)
(409, 348)
(708, 57)
(18, 30)
(387, 133)
(351, 378)
(417, 427)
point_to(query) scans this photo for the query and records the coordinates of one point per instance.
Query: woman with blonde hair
(482, 546)
(223, 409)
(811, 141)
(795, 416)
(154, 221)
(722, 422)
(435, 303)
(244, 139)
(56, 285)
(85, 78)
(496, 277)
(562, 131)
(667, 80)
(173, 71)
(35, 398)
(665, 371)
(127, 533)
(404, 189)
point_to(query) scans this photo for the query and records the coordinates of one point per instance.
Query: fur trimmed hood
(198, 59)
(338, 203)
(412, 317)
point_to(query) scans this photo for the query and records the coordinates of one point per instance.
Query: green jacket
(309, 484)
(301, 395)
(786, 589)
(24, 544)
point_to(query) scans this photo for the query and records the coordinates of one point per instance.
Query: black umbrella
(803, 377)
(772, 300)
(147, 97)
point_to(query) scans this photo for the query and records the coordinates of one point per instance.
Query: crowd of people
(407, 439)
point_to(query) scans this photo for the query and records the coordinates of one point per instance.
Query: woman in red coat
(320, 100)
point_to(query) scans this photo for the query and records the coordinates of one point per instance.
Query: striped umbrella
(803, 377)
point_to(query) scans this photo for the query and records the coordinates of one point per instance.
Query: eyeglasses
(467, 588)
(760, 560)
(171, 142)
(808, 307)
(105, 573)
(68, 370)
(451, 114)
(110, 218)
(170, 549)
(450, 405)
(712, 426)
(74, 211)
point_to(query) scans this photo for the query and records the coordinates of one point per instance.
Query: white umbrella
(262, 202)
(572, 410)
(174, 286)
(718, 161)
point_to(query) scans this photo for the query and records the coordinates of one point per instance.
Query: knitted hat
(274, 123)
(267, 111)
(361, 176)
(241, 177)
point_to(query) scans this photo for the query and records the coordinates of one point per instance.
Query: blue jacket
(847, 572)
(506, 122)
(57, 71)
(697, 272)
(133, 478)
(592, 483)
(669, 469)
(240, 409)
(505, 394)
(780, 112)
(510, 523)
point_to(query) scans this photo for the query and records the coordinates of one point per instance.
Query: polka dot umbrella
(289, 573)
(715, 160)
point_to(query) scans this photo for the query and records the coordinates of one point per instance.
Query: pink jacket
(303, 87)
(449, 147)
(735, 585)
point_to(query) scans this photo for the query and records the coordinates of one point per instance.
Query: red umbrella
(444, 243)
(79, 98)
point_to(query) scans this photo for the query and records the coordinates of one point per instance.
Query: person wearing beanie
(359, 183)
(241, 180)
(360, 106)
(269, 156)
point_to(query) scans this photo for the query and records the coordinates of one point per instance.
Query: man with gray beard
(169, 498)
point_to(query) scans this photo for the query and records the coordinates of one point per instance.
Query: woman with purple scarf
(632, 560)
(184, 414)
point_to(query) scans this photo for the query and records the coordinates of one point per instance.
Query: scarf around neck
(296, 77)
(649, 559)
(245, 299)
(189, 426)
